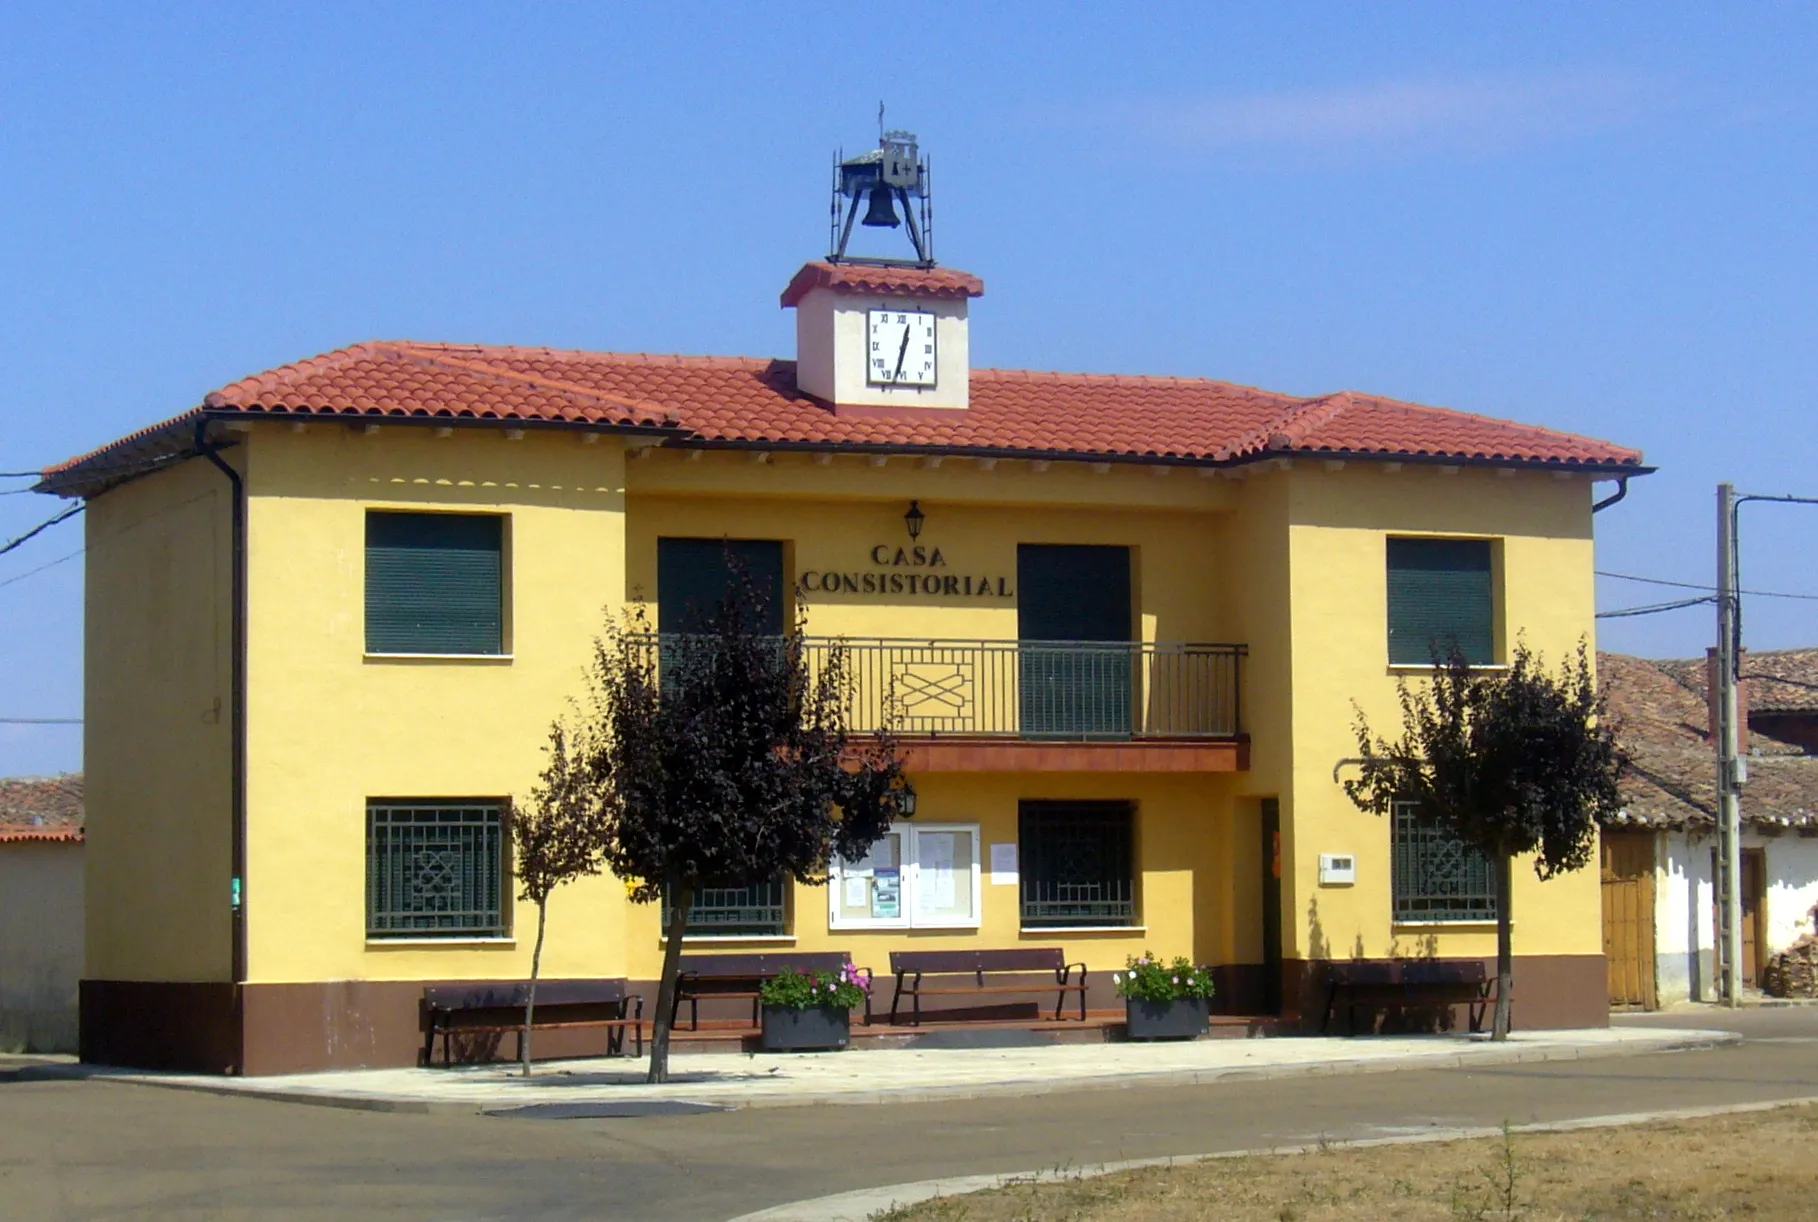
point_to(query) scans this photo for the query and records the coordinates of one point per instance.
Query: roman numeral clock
(901, 348)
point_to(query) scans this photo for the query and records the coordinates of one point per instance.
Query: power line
(33, 572)
(21, 474)
(1656, 608)
(43, 526)
(1692, 585)
(40, 721)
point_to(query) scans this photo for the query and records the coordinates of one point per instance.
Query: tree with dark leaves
(554, 839)
(725, 753)
(1508, 762)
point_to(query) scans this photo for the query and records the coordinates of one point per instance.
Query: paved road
(96, 1149)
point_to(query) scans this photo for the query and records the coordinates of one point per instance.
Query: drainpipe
(237, 702)
(1622, 490)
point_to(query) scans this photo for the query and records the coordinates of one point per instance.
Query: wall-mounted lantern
(905, 799)
(914, 519)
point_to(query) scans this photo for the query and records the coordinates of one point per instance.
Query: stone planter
(786, 1030)
(1181, 1019)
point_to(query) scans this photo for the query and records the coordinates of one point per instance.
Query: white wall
(40, 945)
(1684, 935)
(1792, 886)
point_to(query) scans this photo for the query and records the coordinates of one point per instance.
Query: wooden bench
(1413, 984)
(742, 977)
(499, 1005)
(910, 966)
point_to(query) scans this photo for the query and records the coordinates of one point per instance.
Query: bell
(882, 212)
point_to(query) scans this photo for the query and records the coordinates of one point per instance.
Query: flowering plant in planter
(1149, 979)
(793, 990)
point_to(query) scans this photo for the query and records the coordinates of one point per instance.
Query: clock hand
(900, 354)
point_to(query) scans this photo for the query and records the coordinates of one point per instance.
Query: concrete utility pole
(1730, 768)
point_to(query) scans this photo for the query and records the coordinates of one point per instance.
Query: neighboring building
(40, 912)
(1659, 856)
(434, 533)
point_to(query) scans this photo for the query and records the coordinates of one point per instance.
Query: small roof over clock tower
(875, 335)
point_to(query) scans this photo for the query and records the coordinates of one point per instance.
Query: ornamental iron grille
(1436, 876)
(435, 869)
(722, 909)
(1078, 863)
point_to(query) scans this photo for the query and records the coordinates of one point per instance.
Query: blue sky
(1599, 218)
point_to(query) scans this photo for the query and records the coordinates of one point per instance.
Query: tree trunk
(530, 1003)
(682, 893)
(1505, 945)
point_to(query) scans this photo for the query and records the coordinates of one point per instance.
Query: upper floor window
(434, 583)
(1441, 595)
(1435, 876)
(695, 575)
(435, 869)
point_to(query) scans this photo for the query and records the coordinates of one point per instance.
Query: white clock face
(900, 348)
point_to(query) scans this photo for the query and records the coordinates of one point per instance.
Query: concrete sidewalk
(609, 1087)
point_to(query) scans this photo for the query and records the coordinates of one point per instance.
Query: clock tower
(879, 336)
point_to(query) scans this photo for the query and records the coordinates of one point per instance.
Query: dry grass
(1758, 1166)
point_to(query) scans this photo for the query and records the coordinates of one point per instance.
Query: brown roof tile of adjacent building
(755, 403)
(41, 808)
(1663, 728)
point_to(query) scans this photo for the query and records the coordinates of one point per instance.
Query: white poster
(858, 891)
(935, 886)
(1003, 865)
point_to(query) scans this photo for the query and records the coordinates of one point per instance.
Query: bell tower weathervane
(893, 173)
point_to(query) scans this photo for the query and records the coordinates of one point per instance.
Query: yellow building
(332, 610)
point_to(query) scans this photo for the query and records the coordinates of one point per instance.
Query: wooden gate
(1628, 918)
(1754, 916)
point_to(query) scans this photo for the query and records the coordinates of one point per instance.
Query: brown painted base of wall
(1551, 992)
(354, 1024)
(159, 1025)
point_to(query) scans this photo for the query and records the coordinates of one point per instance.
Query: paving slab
(897, 1075)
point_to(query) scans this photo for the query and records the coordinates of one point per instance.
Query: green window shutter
(1440, 593)
(434, 583)
(695, 575)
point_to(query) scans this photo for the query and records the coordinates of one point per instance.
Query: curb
(863, 1204)
(1684, 1041)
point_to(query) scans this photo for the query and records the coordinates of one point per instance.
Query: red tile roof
(1663, 729)
(12, 834)
(41, 808)
(935, 282)
(755, 403)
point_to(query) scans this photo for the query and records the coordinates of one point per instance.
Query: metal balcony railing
(1057, 690)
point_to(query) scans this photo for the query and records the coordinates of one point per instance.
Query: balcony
(1045, 705)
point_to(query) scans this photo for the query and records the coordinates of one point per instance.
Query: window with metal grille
(1435, 876)
(1441, 594)
(1078, 863)
(435, 869)
(434, 583)
(725, 909)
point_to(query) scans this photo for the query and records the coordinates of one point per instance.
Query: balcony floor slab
(958, 754)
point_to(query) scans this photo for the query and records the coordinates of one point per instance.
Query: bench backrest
(1409, 971)
(508, 994)
(942, 962)
(762, 966)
